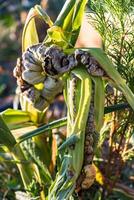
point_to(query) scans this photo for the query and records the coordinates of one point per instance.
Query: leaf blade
(29, 35)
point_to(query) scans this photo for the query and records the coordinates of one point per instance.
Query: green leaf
(116, 107)
(42, 130)
(12, 117)
(31, 153)
(72, 140)
(44, 15)
(55, 189)
(77, 19)
(63, 122)
(83, 97)
(59, 32)
(65, 12)
(24, 125)
(99, 102)
(6, 137)
(66, 28)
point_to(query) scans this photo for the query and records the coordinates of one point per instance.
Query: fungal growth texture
(45, 65)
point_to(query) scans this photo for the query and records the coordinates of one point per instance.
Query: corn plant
(44, 70)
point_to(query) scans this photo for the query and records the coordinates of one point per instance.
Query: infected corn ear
(90, 174)
(32, 77)
(78, 95)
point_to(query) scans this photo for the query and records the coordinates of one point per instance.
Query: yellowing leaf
(68, 23)
(56, 36)
(99, 176)
(30, 36)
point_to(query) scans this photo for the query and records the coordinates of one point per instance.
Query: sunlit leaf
(99, 102)
(42, 129)
(30, 35)
(6, 138)
(67, 25)
(44, 15)
(12, 117)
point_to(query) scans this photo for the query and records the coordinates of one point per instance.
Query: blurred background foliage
(114, 158)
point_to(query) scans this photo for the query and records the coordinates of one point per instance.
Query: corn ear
(83, 97)
(30, 37)
(76, 123)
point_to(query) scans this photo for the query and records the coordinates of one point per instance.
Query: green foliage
(13, 117)
(43, 129)
(34, 189)
(6, 137)
(114, 21)
(66, 28)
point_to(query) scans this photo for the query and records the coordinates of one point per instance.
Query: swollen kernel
(90, 174)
